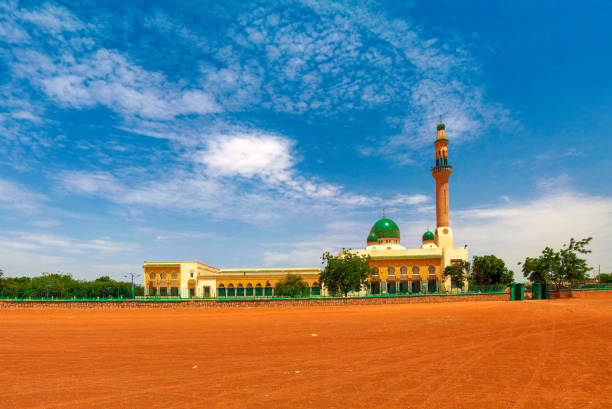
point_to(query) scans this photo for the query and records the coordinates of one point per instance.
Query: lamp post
(131, 275)
(48, 285)
(109, 291)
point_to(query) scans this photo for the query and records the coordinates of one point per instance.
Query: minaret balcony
(442, 168)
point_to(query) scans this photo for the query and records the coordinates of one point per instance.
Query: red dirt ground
(547, 354)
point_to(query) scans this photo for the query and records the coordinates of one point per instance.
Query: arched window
(431, 270)
(151, 276)
(174, 275)
(249, 290)
(221, 290)
(162, 276)
(375, 269)
(268, 289)
(316, 289)
(391, 271)
(231, 291)
(415, 271)
(240, 290)
(258, 290)
(404, 270)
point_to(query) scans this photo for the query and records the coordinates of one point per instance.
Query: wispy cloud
(245, 176)
(408, 200)
(14, 196)
(46, 243)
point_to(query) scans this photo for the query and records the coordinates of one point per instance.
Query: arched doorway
(221, 291)
(240, 290)
(315, 290)
(404, 280)
(432, 280)
(231, 291)
(249, 290)
(258, 290)
(268, 290)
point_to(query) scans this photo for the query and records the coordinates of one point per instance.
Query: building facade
(402, 270)
(197, 280)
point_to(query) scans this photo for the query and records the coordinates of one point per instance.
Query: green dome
(441, 126)
(385, 229)
(372, 238)
(428, 236)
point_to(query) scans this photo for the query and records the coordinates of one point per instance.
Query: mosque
(397, 269)
(401, 270)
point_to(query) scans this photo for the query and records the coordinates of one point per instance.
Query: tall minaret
(441, 172)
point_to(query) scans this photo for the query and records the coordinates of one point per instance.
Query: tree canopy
(605, 278)
(346, 273)
(65, 286)
(558, 267)
(490, 270)
(458, 273)
(291, 286)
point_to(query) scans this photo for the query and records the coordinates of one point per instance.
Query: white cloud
(90, 182)
(105, 77)
(29, 253)
(52, 18)
(248, 155)
(515, 231)
(295, 258)
(407, 200)
(50, 243)
(14, 196)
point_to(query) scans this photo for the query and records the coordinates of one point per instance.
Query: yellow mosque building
(398, 270)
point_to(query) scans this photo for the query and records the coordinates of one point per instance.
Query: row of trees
(65, 286)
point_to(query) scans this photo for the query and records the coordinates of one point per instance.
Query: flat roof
(267, 270)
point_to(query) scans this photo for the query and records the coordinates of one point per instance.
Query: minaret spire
(383, 213)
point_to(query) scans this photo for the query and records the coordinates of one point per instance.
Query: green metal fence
(50, 293)
(583, 286)
(33, 297)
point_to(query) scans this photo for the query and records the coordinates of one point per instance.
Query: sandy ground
(530, 354)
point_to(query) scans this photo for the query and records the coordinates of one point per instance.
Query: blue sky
(259, 134)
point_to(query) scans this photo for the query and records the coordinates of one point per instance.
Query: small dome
(428, 236)
(372, 238)
(385, 229)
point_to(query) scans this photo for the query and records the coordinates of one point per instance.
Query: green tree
(345, 273)
(458, 273)
(560, 266)
(605, 278)
(291, 286)
(490, 270)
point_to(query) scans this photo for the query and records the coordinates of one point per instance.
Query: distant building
(193, 279)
